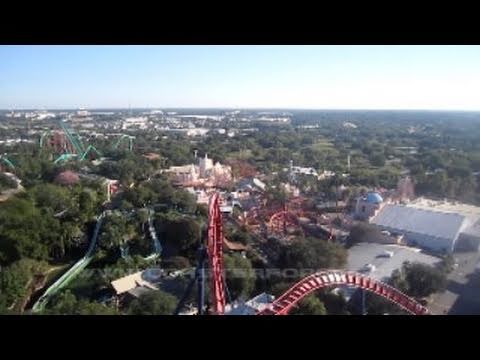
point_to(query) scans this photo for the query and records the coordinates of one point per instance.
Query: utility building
(432, 230)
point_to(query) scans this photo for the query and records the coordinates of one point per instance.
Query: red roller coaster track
(281, 221)
(322, 279)
(297, 292)
(215, 255)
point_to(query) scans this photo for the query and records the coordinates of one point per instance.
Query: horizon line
(232, 108)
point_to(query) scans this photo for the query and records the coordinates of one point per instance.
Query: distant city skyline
(240, 77)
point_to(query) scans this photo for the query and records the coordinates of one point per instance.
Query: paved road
(462, 296)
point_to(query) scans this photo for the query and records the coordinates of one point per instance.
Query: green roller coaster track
(5, 160)
(73, 272)
(123, 137)
(81, 264)
(80, 151)
(89, 149)
(73, 138)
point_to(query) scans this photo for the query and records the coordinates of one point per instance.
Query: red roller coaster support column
(215, 255)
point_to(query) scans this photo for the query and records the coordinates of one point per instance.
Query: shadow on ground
(468, 301)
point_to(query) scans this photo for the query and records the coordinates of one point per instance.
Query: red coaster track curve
(319, 280)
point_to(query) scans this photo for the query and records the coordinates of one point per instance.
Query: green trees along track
(72, 272)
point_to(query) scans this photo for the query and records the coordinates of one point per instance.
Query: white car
(387, 253)
(369, 268)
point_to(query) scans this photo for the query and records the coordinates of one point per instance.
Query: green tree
(312, 253)
(155, 302)
(419, 280)
(240, 276)
(310, 305)
(25, 231)
(6, 182)
(3, 304)
(377, 305)
(126, 205)
(183, 232)
(87, 203)
(363, 233)
(377, 159)
(49, 196)
(141, 245)
(279, 287)
(14, 278)
(115, 231)
(63, 304)
(68, 237)
(424, 280)
(176, 263)
(67, 303)
(336, 304)
(438, 182)
(276, 195)
(202, 210)
(241, 236)
(398, 280)
(142, 215)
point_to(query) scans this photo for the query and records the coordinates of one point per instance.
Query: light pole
(364, 308)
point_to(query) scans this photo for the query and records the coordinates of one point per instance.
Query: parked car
(368, 268)
(387, 253)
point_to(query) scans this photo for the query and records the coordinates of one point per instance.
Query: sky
(306, 77)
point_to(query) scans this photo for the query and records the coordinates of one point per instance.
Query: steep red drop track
(215, 255)
(319, 280)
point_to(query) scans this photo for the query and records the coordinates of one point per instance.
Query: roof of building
(304, 170)
(416, 220)
(129, 282)
(372, 253)
(139, 291)
(232, 245)
(251, 182)
(467, 210)
(374, 197)
(473, 229)
(251, 307)
(151, 156)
